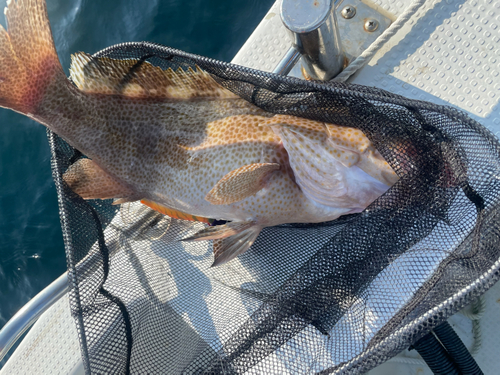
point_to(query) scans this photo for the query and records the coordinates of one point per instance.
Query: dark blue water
(31, 245)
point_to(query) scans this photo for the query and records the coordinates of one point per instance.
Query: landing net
(336, 297)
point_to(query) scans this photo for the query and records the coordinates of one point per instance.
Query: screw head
(371, 25)
(348, 12)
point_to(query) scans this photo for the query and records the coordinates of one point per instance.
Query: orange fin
(138, 79)
(240, 183)
(89, 181)
(175, 214)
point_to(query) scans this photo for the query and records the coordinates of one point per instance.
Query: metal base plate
(354, 32)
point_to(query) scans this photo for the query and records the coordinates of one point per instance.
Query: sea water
(31, 245)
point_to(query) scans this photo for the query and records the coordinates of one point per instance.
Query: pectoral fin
(89, 181)
(240, 183)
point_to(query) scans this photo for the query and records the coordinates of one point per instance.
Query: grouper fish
(182, 144)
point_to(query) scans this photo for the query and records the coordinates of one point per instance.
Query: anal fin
(89, 181)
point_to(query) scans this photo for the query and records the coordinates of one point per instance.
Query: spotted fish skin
(178, 140)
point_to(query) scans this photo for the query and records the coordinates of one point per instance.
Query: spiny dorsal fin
(142, 80)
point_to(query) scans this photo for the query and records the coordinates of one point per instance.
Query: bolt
(371, 25)
(348, 12)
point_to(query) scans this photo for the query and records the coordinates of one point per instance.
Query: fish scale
(181, 143)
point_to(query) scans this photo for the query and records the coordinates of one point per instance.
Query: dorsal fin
(140, 79)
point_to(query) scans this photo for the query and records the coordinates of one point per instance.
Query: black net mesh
(337, 297)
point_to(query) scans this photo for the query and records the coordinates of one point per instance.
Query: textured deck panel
(267, 44)
(448, 53)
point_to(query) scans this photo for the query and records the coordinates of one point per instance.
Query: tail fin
(28, 58)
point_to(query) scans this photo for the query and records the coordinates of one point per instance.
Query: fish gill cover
(335, 297)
